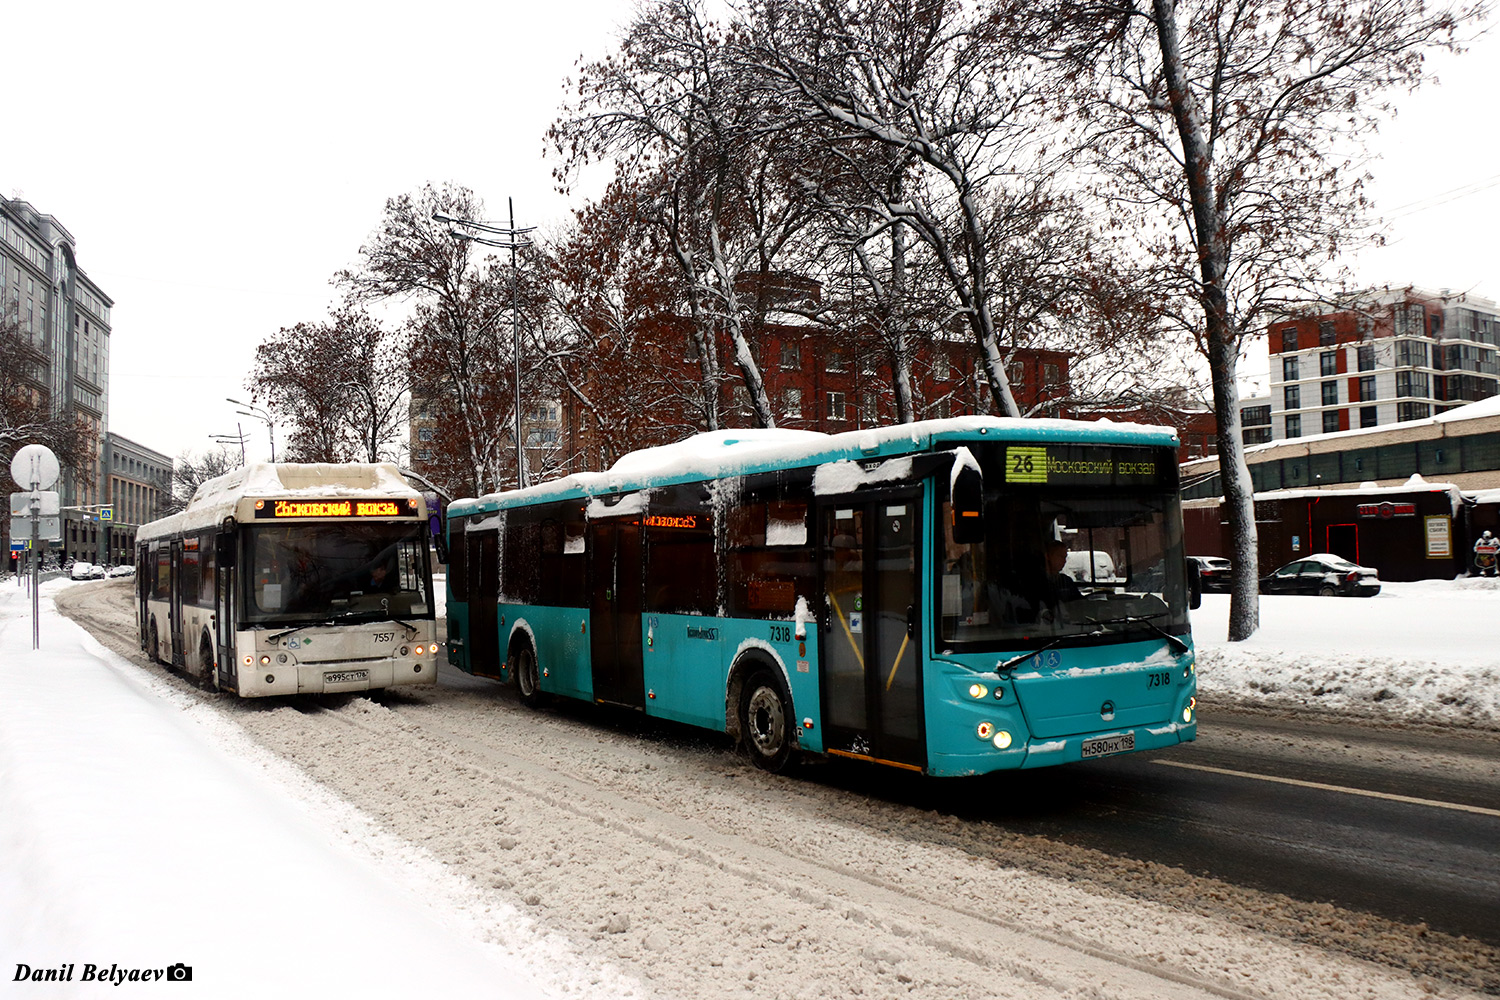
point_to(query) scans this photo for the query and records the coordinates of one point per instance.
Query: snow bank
(1426, 651)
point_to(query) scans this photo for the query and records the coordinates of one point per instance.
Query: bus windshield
(337, 571)
(1064, 562)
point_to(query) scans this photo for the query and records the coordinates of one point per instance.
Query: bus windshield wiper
(1175, 641)
(1003, 667)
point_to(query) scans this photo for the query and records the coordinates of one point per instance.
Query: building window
(1328, 362)
(940, 365)
(1367, 389)
(1411, 353)
(1289, 339)
(1256, 416)
(1288, 369)
(1051, 375)
(1412, 384)
(791, 357)
(835, 360)
(1330, 394)
(1413, 411)
(1330, 421)
(1291, 397)
(424, 434)
(791, 403)
(1409, 320)
(1326, 336)
(1294, 426)
(835, 406)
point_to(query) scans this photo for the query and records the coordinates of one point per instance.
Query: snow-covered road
(454, 836)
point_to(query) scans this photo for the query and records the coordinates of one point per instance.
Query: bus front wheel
(766, 723)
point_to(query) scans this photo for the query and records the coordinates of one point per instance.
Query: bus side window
(162, 589)
(206, 559)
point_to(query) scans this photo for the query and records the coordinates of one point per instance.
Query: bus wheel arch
(521, 658)
(153, 642)
(760, 716)
(210, 671)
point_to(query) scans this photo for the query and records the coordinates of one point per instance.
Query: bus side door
(615, 585)
(224, 613)
(870, 550)
(174, 605)
(484, 598)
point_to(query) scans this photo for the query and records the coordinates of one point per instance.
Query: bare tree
(690, 139)
(27, 411)
(1229, 132)
(190, 472)
(460, 353)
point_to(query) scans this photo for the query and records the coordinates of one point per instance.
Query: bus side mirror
(1195, 585)
(968, 506)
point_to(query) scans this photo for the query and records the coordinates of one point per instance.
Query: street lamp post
(251, 410)
(238, 438)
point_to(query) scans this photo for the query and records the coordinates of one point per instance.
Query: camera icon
(179, 973)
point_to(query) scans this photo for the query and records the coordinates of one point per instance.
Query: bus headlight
(265, 661)
(978, 690)
(1002, 740)
(1187, 710)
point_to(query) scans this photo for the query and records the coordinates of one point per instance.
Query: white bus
(292, 579)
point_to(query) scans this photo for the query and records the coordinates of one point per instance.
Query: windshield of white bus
(1060, 561)
(334, 571)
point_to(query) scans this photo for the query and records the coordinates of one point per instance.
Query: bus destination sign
(1086, 465)
(285, 510)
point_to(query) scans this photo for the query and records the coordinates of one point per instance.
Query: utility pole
(251, 410)
(512, 239)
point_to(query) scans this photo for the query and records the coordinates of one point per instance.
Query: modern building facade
(138, 481)
(67, 318)
(1394, 355)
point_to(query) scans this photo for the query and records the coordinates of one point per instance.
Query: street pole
(515, 334)
(36, 573)
(503, 238)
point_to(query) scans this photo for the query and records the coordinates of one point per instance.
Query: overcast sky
(216, 164)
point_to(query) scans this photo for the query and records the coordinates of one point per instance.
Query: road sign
(34, 467)
(106, 513)
(48, 528)
(49, 504)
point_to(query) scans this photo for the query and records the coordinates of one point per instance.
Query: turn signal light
(265, 661)
(985, 730)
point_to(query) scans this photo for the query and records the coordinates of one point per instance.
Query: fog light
(985, 730)
(1002, 740)
(978, 690)
(270, 678)
(264, 660)
(417, 669)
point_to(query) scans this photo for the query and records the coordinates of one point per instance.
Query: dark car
(1324, 574)
(1214, 572)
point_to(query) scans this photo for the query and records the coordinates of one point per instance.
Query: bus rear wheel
(528, 680)
(766, 723)
(153, 645)
(210, 677)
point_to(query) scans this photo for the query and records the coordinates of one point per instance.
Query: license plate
(1103, 746)
(345, 676)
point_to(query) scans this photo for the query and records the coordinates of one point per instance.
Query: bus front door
(615, 584)
(871, 628)
(484, 597)
(224, 627)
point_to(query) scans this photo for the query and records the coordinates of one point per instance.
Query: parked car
(1214, 572)
(125, 570)
(1324, 574)
(97, 572)
(80, 571)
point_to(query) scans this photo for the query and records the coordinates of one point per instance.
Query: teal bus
(951, 597)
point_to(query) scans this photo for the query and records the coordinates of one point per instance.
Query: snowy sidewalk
(138, 830)
(1427, 651)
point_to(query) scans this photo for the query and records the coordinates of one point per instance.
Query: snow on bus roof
(215, 499)
(748, 450)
